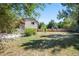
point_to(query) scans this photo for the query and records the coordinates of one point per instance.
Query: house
(28, 23)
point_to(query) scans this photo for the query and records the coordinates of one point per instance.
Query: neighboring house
(28, 23)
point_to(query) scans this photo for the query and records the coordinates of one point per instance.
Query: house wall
(22, 27)
(29, 24)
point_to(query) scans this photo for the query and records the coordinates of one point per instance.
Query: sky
(50, 12)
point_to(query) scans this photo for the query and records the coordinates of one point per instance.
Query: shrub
(30, 31)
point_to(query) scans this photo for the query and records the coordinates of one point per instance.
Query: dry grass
(43, 44)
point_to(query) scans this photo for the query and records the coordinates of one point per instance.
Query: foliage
(30, 31)
(42, 26)
(28, 10)
(72, 12)
(60, 25)
(69, 24)
(51, 24)
(7, 18)
(9, 13)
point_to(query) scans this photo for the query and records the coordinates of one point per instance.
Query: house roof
(30, 19)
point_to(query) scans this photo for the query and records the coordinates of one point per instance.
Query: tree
(51, 24)
(6, 18)
(10, 13)
(72, 12)
(28, 10)
(69, 23)
(60, 25)
(42, 26)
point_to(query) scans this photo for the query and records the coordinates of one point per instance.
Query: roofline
(31, 19)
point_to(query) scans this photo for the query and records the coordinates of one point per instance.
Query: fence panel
(55, 30)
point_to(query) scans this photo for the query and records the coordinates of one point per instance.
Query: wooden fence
(55, 30)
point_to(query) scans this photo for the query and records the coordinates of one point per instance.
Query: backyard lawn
(43, 44)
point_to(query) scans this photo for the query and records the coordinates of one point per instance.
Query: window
(32, 23)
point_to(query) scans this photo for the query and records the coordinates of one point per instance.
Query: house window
(32, 23)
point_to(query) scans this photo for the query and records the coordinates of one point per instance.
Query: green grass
(44, 43)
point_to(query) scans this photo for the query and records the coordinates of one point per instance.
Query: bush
(30, 31)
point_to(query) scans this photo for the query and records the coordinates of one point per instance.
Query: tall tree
(51, 24)
(28, 10)
(72, 12)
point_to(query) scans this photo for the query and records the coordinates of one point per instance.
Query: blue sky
(50, 12)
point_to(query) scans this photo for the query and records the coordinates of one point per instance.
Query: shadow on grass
(57, 40)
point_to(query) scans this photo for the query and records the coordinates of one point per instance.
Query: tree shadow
(57, 40)
(69, 35)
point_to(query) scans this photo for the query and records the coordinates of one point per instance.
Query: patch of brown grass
(13, 48)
